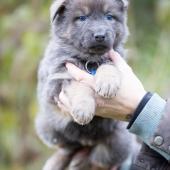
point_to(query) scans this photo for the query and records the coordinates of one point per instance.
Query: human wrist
(139, 108)
(134, 103)
(129, 104)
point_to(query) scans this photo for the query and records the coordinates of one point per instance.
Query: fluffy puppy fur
(82, 31)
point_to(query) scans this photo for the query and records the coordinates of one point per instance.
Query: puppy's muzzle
(100, 41)
(99, 37)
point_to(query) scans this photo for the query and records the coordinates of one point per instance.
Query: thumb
(118, 61)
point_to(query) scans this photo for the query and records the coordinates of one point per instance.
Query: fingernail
(68, 65)
(111, 52)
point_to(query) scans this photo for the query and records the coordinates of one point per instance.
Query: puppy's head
(92, 26)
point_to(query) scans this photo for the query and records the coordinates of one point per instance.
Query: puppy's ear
(125, 3)
(57, 9)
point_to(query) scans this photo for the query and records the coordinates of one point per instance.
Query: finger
(77, 73)
(80, 75)
(62, 107)
(118, 61)
(64, 100)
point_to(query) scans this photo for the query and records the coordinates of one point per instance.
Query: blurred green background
(24, 33)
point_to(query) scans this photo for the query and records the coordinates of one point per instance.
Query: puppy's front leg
(107, 80)
(59, 160)
(81, 99)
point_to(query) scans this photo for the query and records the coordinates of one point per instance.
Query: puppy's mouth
(98, 49)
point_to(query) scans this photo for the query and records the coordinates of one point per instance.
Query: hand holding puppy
(128, 96)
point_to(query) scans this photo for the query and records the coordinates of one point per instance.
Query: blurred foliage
(24, 33)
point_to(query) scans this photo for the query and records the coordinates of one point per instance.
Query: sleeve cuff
(148, 120)
(146, 123)
(140, 107)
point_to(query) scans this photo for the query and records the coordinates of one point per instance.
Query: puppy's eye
(82, 18)
(110, 17)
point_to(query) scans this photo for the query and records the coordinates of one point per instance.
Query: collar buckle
(91, 66)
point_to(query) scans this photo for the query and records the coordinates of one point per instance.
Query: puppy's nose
(99, 37)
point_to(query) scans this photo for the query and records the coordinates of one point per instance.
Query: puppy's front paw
(83, 112)
(107, 81)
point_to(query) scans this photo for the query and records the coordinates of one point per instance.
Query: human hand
(129, 94)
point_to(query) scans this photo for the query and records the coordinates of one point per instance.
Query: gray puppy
(82, 32)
